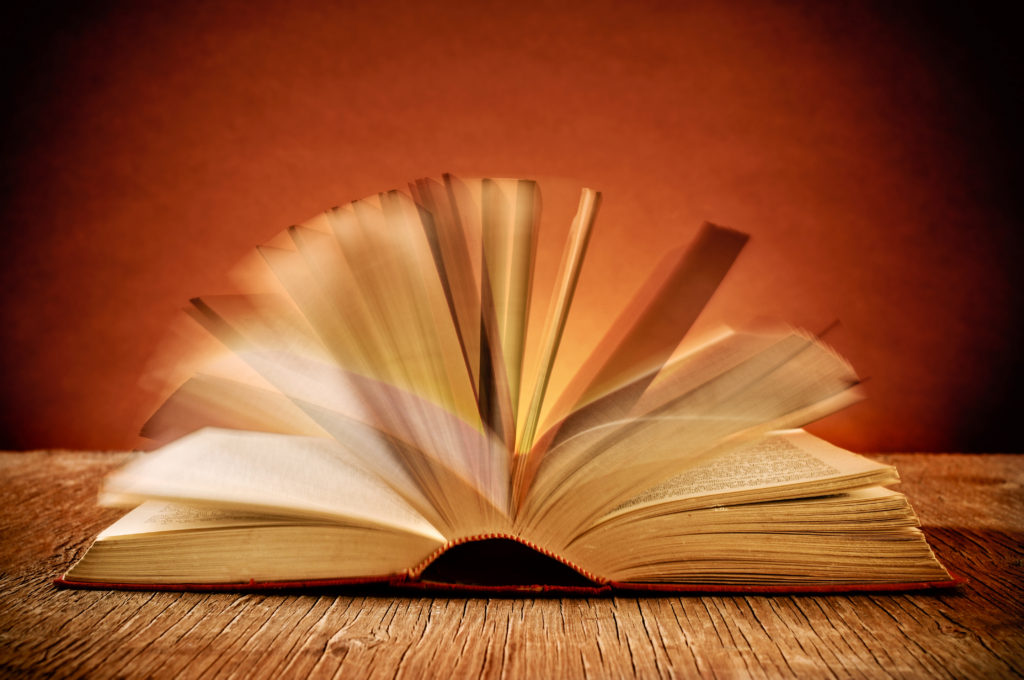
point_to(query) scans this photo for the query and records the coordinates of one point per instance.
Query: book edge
(402, 582)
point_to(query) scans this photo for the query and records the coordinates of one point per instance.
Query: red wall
(869, 151)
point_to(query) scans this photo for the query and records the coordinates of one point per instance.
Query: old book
(392, 404)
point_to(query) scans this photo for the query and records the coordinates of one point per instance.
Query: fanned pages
(370, 417)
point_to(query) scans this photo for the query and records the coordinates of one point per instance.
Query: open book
(397, 401)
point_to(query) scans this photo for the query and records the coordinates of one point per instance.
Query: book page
(277, 474)
(554, 327)
(396, 433)
(791, 382)
(450, 213)
(648, 392)
(482, 233)
(510, 213)
(864, 535)
(641, 340)
(215, 401)
(169, 543)
(780, 459)
(160, 516)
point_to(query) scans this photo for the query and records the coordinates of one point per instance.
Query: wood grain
(971, 507)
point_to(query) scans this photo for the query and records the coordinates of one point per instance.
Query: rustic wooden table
(971, 506)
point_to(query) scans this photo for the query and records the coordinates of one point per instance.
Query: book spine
(415, 572)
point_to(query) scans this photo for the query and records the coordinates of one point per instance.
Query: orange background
(871, 152)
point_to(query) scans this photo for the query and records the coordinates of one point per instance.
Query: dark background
(872, 151)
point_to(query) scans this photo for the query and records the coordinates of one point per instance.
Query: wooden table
(971, 506)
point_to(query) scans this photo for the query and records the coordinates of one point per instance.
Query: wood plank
(971, 506)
